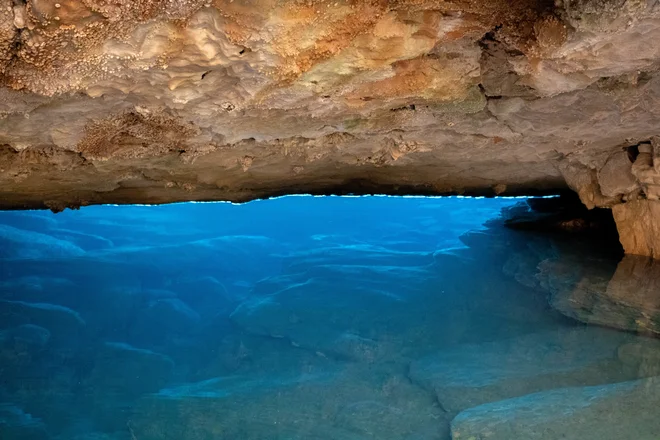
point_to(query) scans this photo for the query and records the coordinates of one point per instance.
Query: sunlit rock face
(639, 226)
(158, 101)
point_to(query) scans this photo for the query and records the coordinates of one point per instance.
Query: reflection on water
(321, 318)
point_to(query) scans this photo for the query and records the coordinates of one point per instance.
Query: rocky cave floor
(326, 318)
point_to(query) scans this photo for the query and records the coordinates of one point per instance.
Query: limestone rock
(627, 300)
(33, 288)
(206, 296)
(120, 369)
(95, 436)
(472, 375)
(643, 355)
(179, 317)
(323, 403)
(607, 412)
(161, 323)
(153, 101)
(19, 345)
(27, 335)
(20, 244)
(317, 312)
(359, 306)
(65, 325)
(615, 177)
(119, 376)
(638, 222)
(16, 424)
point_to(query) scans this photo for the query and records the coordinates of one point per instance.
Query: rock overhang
(158, 101)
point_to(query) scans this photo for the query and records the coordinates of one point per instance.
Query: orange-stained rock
(638, 223)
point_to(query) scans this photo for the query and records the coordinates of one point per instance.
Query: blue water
(321, 318)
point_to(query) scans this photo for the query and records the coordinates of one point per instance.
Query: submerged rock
(176, 313)
(629, 300)
(321, 404)
(321, 346)
(18, 425)
(364, 312)
(470, 375)
(64, 324)
(643, 355)
(33, 288)
(215, 255)
(206, 296)
(120, 375)
(21, 244)
(27, 336)
(121, 369)
(121, 435)
(316, 310)
(20, 345)
(618, 411)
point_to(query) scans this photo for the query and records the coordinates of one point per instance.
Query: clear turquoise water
(320, 318)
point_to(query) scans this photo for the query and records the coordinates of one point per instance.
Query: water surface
(321, 318)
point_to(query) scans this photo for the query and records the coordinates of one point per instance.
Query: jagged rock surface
(157, 101)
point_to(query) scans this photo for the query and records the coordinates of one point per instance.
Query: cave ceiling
(156, 101)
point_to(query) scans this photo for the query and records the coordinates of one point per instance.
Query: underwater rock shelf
(607, 412)
(324, 318)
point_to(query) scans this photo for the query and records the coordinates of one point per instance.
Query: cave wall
(155, 101)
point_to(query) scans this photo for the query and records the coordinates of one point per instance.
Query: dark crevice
(566, 219)
(644, 77)
(633, 152)
(545, 6)
(15, 48)
(482, 89)
(206, 73)
(489, 97)
(432, 394)
(489, 37)
(405, 107)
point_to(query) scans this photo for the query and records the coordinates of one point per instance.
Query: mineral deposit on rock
(155, 101)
